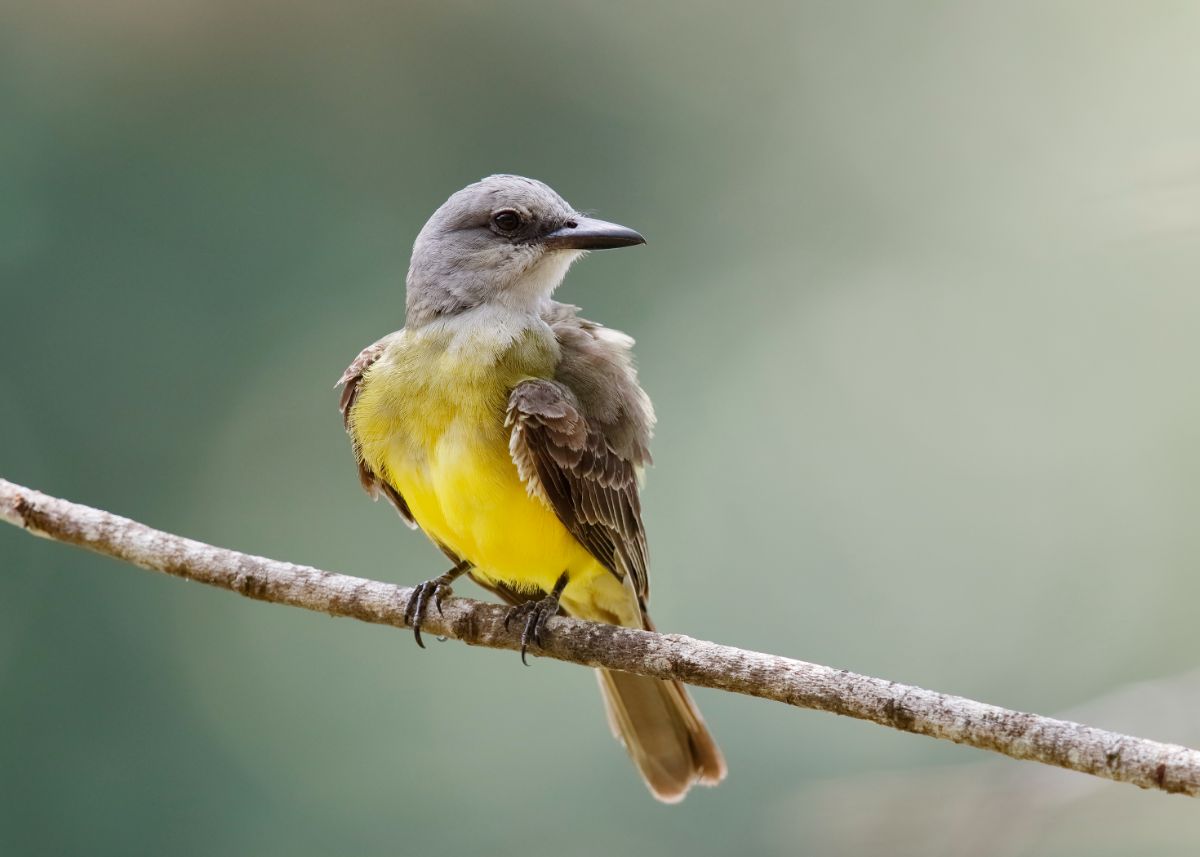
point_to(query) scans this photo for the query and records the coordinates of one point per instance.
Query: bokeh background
(919, 311)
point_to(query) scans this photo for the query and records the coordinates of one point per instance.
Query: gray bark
(1142, 762)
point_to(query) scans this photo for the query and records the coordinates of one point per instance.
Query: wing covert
(566, 461)
(351, 383)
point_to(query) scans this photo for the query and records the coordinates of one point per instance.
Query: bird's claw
(535, 615)
(414, 615)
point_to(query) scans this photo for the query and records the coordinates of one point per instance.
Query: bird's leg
(536, 614)
(437, 588)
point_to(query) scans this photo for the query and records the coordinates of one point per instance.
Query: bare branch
(1145, 763)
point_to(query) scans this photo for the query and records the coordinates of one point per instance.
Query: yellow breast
(429, 419)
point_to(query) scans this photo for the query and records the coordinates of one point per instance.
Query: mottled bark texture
(1145, 763)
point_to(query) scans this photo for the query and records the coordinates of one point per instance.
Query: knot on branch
(26, 512)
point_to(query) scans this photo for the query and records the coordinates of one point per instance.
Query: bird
(514, 433)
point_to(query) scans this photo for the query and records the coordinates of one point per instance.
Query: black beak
(584, 233)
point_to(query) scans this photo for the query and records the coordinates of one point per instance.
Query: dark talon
(438, 588)
(536, 615)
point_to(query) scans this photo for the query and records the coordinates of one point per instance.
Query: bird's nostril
(572, 224)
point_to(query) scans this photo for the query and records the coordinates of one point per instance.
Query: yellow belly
(467, 495)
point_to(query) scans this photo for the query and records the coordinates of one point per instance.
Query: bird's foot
(535, 615)
(433, 590)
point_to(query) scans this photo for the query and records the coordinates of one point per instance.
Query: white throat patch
(535, 286)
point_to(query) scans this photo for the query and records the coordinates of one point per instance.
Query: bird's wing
(565, 460)
(351, 382)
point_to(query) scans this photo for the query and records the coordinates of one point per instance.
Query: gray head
(503, 240)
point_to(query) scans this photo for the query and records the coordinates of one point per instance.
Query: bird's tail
(655, 720)
(663, 732)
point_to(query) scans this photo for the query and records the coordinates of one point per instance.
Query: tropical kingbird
(514, 434)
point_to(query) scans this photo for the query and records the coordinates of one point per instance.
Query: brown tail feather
(655, 720)
(663, 732)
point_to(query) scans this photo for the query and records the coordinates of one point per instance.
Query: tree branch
(1145, 763)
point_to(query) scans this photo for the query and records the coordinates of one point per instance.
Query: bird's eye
(506, 220)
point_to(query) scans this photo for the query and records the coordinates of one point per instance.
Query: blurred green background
(919, 313)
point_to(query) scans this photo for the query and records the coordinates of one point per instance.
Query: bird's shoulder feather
(596, 364)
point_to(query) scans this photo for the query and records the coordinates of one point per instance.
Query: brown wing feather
(566, 460)
(351, 383)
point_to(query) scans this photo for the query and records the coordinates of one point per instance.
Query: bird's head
(505, 240)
